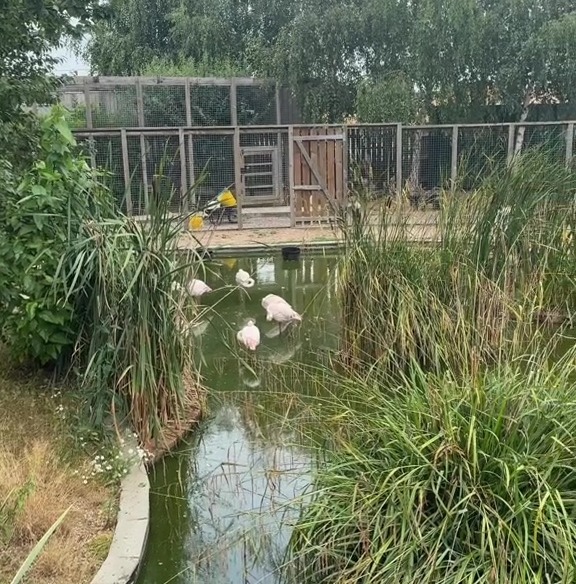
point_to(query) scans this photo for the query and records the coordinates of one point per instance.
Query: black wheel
(216, 216)
(232, 215)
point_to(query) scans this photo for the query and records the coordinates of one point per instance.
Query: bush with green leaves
(41, 212)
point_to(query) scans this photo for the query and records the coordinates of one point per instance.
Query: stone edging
(129, 542)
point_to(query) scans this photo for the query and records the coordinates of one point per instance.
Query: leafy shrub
(41, 212)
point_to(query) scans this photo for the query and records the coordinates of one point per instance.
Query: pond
(221, 505)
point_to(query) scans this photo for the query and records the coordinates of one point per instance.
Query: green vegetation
(89, 290)
(455, 56)
(29, 30)
(504, 264)
(449, 432)
(444, 478)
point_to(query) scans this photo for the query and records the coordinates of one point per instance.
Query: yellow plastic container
(227, 199)
(196, 222)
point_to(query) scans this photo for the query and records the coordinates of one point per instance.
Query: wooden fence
(307, 171)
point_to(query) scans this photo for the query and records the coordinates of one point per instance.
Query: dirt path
(422, 226)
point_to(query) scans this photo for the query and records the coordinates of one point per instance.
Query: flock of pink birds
(277, 309)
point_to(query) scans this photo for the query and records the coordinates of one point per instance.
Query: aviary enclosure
(246, 134)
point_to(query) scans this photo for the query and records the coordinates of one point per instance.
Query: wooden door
(260, 175)
(318, 168)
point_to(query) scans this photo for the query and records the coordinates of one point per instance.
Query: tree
(460, 55)
(388, 100)
(29, 29)
(134, 33)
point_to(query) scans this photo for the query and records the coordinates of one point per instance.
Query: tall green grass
(135, 358)
(503, 265)
(449, 444)
(444, 478)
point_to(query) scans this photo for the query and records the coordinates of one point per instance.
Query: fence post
(238, 175)
(569, 144)
(188, 97)
(143, 157)
(89, 123)
(183, 173)
(511, 137)
(233, 103)
(126, 166)
(345, 162)
(278, 105)
(291, 175)
(398, 159)
(454, 161)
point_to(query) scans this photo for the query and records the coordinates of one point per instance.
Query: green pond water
(221, 506)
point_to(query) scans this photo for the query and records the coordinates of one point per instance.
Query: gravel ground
(274, 230)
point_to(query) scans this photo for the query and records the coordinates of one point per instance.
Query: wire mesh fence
(191, 166)
(480, 150)
(118, 102)
(372, 159)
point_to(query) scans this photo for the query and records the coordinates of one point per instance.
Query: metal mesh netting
(426, 164)
(164, 106)
(480, 149)
(134, 180)
(114, 107)
(372, 158)
(164, 103)
(213, 164)
(164, 170)
(551, 139)
(210, 105)
(256, 105)
(110, 107)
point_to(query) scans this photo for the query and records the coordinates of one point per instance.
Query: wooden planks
(317, 171)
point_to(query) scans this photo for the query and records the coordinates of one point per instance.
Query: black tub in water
(291, 253)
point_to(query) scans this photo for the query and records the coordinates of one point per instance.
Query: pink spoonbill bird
(249, 335)
(197, 288)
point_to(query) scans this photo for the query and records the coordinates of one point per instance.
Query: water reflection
(242, 470)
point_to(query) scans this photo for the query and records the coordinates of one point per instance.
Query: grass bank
(43, 471)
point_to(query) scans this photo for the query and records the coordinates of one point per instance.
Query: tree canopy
(459, 55)
(29, 29)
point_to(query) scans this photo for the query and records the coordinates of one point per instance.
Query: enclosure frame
(295, 143)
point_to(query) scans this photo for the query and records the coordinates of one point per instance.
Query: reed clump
(445, 478)
(504, 264)
(448, 442)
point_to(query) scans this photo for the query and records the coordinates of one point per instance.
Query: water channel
(221, 506)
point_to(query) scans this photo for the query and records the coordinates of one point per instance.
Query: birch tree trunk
(521, 127)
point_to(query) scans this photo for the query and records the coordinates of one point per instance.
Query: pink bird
(278, 310)
(270, 299)
(249, 335)
(197, 288)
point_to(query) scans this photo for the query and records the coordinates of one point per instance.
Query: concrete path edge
(129, 541)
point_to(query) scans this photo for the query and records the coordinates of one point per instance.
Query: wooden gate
(317, 172)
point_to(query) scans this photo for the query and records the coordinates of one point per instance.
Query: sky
(70, 63)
